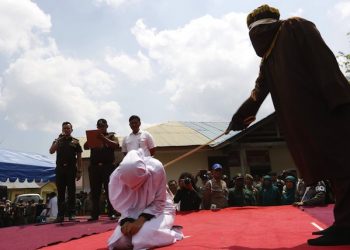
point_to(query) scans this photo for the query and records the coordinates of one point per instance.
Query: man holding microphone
(68, 169)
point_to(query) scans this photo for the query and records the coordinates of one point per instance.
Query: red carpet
(324, 213)
(33, 237)
(282, 228)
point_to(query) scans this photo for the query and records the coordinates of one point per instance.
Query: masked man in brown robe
(312, 102)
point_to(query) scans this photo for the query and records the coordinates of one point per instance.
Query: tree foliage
(344, 62)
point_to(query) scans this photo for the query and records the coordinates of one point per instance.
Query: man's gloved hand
(239, 123)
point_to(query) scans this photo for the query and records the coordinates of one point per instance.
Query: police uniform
(315, 195)
(101, 167)
(239, 197)
(68, 148)
(217, 193)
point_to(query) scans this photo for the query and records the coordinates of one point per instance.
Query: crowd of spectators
(29, 212)
(213, 190)
(19, 213)
(204, 190)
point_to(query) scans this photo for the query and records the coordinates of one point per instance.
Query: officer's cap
(216, 166)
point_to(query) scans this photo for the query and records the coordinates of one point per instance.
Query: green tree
(344, 62)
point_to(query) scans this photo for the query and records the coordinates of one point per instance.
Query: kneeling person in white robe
(138, 191)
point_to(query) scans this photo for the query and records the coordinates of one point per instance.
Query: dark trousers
(342, 202)
(99, 175)
(65, 179)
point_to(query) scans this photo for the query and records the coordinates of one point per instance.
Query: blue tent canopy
(33, 167)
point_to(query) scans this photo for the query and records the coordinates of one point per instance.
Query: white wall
(191, 164)
(281, 158)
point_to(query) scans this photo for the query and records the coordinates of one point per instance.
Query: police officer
(102, 164)
(314, 195)
(68, 169)
(215, 190)
(239, 196)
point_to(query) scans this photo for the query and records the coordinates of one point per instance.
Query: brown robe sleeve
(247, 111)
(329, 81)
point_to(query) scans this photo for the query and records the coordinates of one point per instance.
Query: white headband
(262, 21)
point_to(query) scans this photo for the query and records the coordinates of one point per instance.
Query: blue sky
(184, 60)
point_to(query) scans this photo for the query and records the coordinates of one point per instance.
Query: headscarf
(138, 186)
(288, 195)
(267, 178)
(132, 171)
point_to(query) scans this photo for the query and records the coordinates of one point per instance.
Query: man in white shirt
(138, 138)
(52, 209)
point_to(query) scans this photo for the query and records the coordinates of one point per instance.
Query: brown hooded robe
(310, 94)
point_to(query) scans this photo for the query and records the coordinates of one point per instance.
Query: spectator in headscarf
(269, 194)
(288, 193)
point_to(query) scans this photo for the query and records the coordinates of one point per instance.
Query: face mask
(262, 36)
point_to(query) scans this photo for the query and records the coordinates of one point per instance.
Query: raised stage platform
(280, 228)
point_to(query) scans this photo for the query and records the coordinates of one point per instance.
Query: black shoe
(59, 219)
(330, 240)
(325, 231)
(93, 218)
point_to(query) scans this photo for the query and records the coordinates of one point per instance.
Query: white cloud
(339, 15)
(21, 25)
(115, 3)
(136, 69)
(338, 26)
(299, 12)
(42, 88)
(342, 10)
(209, 64)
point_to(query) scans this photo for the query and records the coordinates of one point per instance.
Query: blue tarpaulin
(25, 166)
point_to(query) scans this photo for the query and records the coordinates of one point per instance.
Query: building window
(259, 162)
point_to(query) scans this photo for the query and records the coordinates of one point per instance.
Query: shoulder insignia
(320, 189)
(75, 140)
(111, 135)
